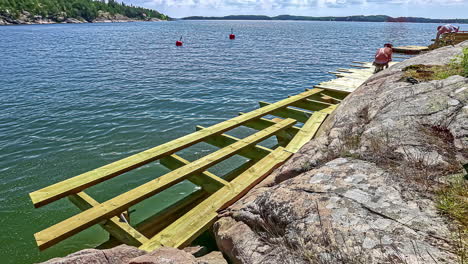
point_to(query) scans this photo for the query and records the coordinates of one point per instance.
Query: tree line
(86, 9)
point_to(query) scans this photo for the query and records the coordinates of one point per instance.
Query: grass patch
(452, 200)
(425, 73)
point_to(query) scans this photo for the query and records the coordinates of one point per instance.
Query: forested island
(376, 18)
(72, 11)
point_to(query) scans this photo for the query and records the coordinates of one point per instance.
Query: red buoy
(179, 42)
(232, 36)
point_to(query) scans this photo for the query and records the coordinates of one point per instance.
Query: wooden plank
(262, 123)
(299, 115)
(85, 180)
(120, 230)
(197, 220)
(360, 66)
(307, 132)
(157, 222)
(255, 152)
(207, 180)
(335, 94)
(325, 99)
(316, 106)
(114, 206)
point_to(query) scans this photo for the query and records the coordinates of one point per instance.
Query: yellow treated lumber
(255, 152)
(307, 132)
(85, 180)
(360, 66)
(316, 106)
(262, 123)
(157, 222)
(336, 94)
(120, 230)
(299, 115)
(114, 206)
(207, 180)
(189, 226)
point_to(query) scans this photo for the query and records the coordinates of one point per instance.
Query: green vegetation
(424, 73)
(85, 9)
(378, 18)
(452, 200)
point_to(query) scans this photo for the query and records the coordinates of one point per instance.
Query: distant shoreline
(75, 21)
(376, 18)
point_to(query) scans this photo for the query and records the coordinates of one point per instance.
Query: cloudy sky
(423, 8)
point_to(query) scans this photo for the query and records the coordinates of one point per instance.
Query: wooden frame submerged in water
(183, 221)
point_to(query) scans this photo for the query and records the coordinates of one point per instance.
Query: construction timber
(297, 121)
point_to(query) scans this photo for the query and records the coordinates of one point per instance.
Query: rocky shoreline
(26, 18)
(361, 192)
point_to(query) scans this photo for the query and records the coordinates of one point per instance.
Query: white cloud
(306, 7)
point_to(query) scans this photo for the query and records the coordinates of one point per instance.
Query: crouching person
(383, 57)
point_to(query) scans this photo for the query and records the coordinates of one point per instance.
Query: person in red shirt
(446, 29)
(383, 57)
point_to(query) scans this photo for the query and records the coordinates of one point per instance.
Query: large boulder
(360, 192)
(131, 255)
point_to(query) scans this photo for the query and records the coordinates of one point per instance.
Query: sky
(395, 8)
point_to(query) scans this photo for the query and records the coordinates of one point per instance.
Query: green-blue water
(76, 97)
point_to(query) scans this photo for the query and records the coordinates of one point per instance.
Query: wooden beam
(332, 93)
(307, 132)
(255, 152)
(207, 180)
(360, 66)
(299, 115)
(197, 220)
(116, 205)
(85, 180)
(313, 105)
(262, 123)
(120, 230)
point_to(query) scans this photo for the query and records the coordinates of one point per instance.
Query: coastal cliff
(366, 190)
(75, 11)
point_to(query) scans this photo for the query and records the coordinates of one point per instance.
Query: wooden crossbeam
(85, 180)
(299, 115)
(114, 206)
(207, 180)
(255, 152)
(197, 220)
(283, 137)
(325, 98)
(332, 93)
(120, 230)
(262, 123)
(307, 132)
(313, 105)
(360, 66)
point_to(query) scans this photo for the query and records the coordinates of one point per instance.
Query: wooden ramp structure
(179, 224)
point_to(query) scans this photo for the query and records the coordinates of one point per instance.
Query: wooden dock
(410, 49)
(298, 118)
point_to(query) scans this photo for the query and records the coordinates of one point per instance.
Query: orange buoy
(232, 36)
(179, 42)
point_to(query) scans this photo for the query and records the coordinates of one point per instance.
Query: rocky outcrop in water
(360, 192)
(26, 18)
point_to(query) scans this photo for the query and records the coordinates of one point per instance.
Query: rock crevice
(361, 191)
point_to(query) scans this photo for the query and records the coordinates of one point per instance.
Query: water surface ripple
(76, 97)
